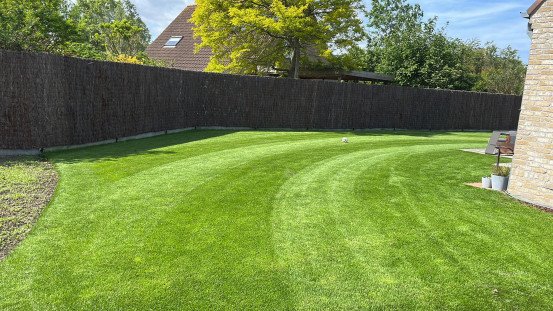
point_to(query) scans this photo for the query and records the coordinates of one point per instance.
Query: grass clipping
(26, 187)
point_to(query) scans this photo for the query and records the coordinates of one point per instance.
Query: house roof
(535, 7)
(182, 55)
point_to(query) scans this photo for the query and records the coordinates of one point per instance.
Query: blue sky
(486, 20)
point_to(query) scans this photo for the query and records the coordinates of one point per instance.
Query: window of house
(172, 42)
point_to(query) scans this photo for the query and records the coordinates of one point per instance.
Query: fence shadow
(151, 146)
(414, 133)
(144, 146)
(375, 132)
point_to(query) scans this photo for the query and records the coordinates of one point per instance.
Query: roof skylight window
(172, 42)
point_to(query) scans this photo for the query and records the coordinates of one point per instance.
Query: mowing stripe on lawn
(281, 220)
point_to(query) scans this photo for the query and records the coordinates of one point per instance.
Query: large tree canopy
(412, 48)
(99, 29)
(247, 36)
(34, 25)
(111, 26)
(498, 70)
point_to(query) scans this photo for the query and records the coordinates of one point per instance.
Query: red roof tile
(181, 56)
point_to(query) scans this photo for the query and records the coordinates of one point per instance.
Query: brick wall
(532, 175)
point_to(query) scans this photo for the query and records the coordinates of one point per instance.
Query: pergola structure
(354, 76)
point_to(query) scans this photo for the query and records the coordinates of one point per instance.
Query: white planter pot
(500, 183)
(486, 182)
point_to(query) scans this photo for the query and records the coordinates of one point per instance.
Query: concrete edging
(538, 205)
(19, 152)
(34, 152)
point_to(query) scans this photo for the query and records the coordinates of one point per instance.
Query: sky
(486, 20)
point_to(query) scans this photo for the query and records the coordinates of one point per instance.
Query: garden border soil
(22, 214)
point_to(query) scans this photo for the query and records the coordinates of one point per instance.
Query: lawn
(281, 220)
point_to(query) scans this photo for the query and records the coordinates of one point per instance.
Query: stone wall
(532, 175)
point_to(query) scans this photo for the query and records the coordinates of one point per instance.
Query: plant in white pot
(500, 178)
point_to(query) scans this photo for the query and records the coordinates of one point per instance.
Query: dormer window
(173, 41)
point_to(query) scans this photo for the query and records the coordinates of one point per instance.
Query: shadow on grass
(377, 132)
(149, 146)
(144, 146)
(421, 133)
(8, 161)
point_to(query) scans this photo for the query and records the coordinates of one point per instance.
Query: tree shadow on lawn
(144, 146)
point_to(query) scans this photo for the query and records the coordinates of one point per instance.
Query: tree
(419, 54)
(499, 70)
(414, 49)
(251, 35)
(93, 29)
(110, 26)
(34, 25)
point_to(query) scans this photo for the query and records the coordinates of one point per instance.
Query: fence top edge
(234, 76)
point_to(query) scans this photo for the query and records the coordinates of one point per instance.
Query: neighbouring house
(176, 44)
(176, 47)
(532, 174)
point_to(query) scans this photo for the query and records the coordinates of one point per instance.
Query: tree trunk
(295, 66)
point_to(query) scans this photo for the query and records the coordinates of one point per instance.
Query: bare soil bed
(26, 186)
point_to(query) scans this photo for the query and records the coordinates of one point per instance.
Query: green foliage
(112, 27)
(354, 59)
(93, 29)
(34, 25)
(140, 59)
(413, 49)
(82, 50)
(252, 36)
(144, 59)
(500, 70)
(419, 54)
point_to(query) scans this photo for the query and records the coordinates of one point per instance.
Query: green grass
(281, 220)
